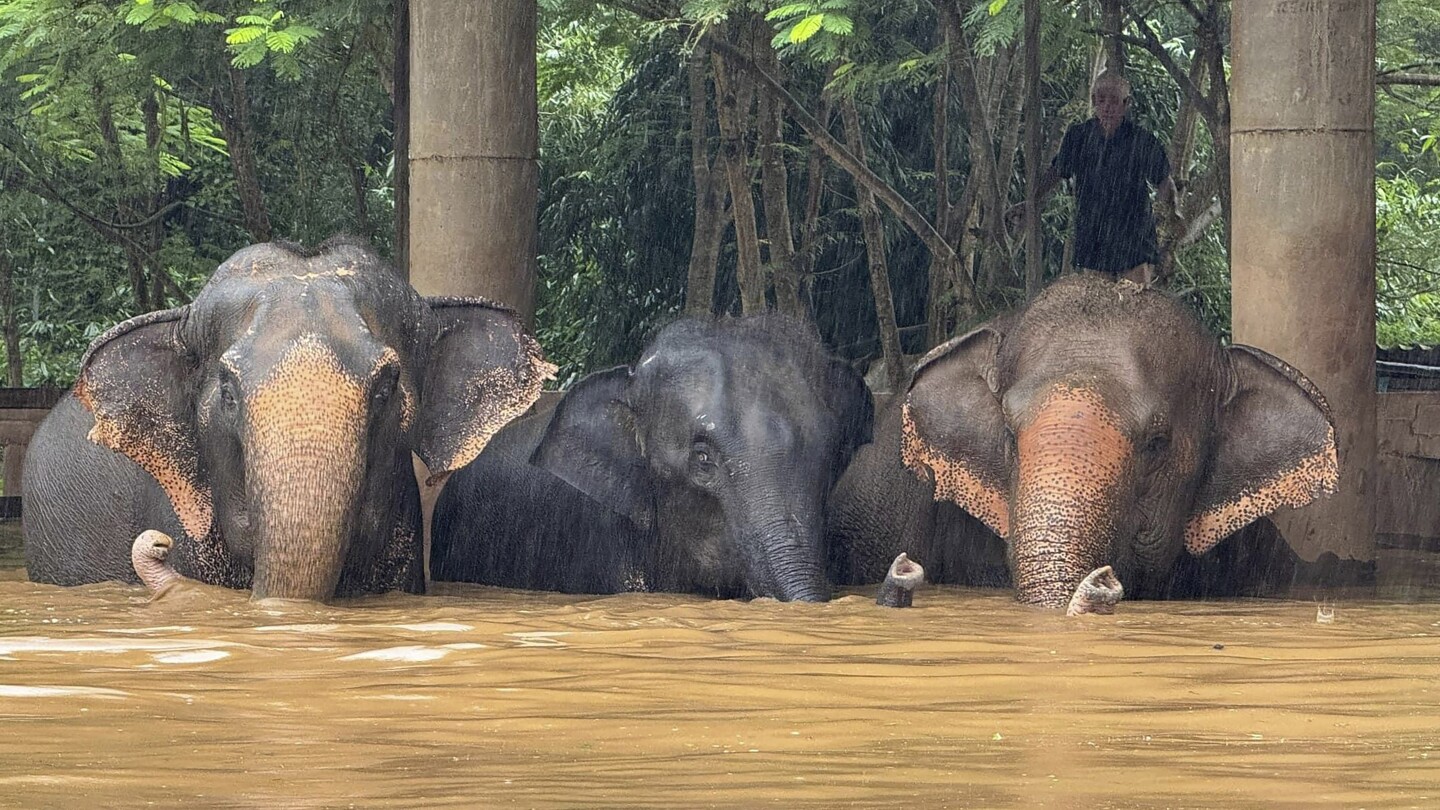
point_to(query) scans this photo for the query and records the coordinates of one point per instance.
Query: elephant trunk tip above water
(1101, 425)
(269, 425)
(898, 589)
(148, 555)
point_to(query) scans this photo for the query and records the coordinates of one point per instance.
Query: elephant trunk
(306, 466)
(148, 555)
(797, 572)
(1072, 460)
(781, 549)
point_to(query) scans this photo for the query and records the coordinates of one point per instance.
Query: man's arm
(1048, 181)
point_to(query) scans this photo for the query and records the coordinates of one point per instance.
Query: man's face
(1110, 105)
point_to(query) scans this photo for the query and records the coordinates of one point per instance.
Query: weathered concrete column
(473, 159)
(474, 172)
(1303, 239)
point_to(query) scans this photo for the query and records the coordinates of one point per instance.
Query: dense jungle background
(697, 155)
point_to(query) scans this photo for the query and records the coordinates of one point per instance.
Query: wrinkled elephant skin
(148, 557)
(269, 425)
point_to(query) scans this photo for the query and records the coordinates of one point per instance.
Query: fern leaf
(240, 36)
(806, 28)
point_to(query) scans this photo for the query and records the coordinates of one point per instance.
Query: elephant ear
(1276, 447)
(136, 381)
(592, 445)
(483, 370)
(954, 427)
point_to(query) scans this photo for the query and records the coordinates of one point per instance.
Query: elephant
(1100, 425)
(269, 424)
(704, 468)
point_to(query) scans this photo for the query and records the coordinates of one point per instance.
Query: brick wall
(1407, 508)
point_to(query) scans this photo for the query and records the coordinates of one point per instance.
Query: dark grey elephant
(269, 427)
(704, 468)
(1102, 425)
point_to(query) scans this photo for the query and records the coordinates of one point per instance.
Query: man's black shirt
(1114, 226)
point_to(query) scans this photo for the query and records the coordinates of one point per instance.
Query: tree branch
(1413, 79)
(838, 153)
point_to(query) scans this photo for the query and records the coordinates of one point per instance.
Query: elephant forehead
(263, 316)
(309, 386)
(1077, 435)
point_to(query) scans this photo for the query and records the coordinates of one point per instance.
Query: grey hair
(1112, 78)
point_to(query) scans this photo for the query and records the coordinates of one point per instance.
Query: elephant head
(722, 444)
(1103, 425)
(278, 412)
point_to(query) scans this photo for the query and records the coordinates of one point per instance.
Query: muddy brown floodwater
(486, 698)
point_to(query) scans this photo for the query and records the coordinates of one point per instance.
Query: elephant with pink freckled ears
(1100, 426)
(268, 426)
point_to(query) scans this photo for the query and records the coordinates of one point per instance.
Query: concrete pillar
(14, 465)
(400, 115)
(474, 172)
(1303, 239)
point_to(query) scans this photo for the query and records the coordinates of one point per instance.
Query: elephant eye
(384, 386)
(703, 467)
(228, 398)
(1157, 444)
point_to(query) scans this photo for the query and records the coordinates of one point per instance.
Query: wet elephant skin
(1101, 425)
(268, 426)
(703, 468)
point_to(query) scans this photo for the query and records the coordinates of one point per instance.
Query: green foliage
(614, 193)
(152, 16)
(993, 24)
(111, 110)
(1407, 211)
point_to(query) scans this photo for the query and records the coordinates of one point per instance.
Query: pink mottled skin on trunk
(148, 554)
(1073, 457)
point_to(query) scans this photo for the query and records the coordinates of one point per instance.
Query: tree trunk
(1111, 19)
(135, 258)
(775, 189)
(941, 272)
(154, 233)
(875, 254)
(10, 326)
(1220, 133)
(814, 188)
(733, 94)
(983, 164)
(709, 225)
(1182, 146)
(863, 175)
(1034, 141)
(234, 115)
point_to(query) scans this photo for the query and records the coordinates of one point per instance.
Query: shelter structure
(1303, 230)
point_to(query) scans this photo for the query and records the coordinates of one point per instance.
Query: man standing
(1114, 163)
